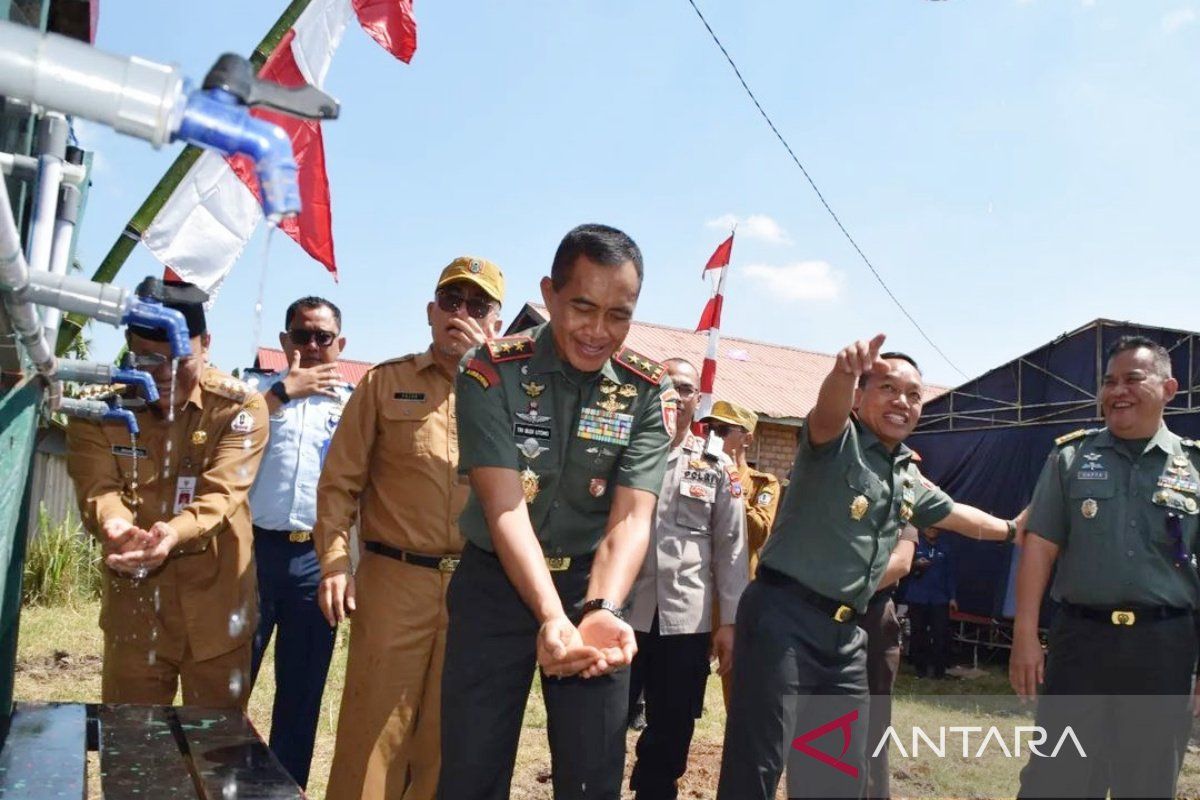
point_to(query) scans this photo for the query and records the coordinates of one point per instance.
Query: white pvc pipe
(25, 168)
(14, 273)
(131, 95)
(64, 232)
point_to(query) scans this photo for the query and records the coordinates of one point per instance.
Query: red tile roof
(774, 380)
(272, 360)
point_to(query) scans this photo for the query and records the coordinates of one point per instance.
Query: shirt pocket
(692, 515)
(865, 492)
(1177, 537)
(1092, 504)
(407, 429)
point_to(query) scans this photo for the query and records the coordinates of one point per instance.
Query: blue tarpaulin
(985, 441)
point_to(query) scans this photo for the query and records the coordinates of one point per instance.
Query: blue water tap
(152, 314)
(136, 377)
(116, 412)
(218, 120)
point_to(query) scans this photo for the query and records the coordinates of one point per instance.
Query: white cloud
(1173, 21)
(92, 137)
(802, 280)
(755, 226)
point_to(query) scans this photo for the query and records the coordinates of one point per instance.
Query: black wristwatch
(280, 391)
(600, 604)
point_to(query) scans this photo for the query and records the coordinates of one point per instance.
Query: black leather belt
(447, 563)
(1126, 615)
(834, 609)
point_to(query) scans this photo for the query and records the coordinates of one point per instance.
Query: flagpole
(72, 324)
(708, 375)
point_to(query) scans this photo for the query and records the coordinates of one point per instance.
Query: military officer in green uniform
(1116, 509)
(563, 435)
(854, 487)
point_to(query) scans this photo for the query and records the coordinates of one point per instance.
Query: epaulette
(396, 360)
(227, 387)
(510, 348)
(1190, 443)
(916, 457)
(1072, 436)
(640, 365)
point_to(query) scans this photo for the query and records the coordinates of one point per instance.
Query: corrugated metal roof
(272, 360)
(774, 380)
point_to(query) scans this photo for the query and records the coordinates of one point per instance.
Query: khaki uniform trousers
(146, 666)
(389, 728)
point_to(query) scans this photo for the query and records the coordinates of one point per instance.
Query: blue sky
(1012, 168)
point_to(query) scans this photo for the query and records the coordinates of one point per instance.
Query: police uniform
(697, 557)
(796, 632)
(573, 437)
(192, 619)
(392, 467)
(283, 503)
(1124, 516)
(883, 663)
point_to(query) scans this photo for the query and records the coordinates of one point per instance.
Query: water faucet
(99, 411)
(97, 372)
(150, 313)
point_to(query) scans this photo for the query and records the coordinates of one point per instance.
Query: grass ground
(59, 659)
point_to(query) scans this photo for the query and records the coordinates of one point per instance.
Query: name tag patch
(697, 490)
(524, 431)
(410, 397)
(128, 451)
(603, 426)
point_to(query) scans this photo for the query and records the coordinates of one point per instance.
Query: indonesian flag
(710, 320)
(204, 226)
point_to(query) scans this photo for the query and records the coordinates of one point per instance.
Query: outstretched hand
(612, 637)
(861, 357)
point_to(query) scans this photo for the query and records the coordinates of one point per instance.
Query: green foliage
(62, 565)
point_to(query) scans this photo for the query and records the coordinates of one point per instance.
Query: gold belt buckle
(558, 563)
(844, 614)
(300, 536)
(448, 563)
(1123, 617)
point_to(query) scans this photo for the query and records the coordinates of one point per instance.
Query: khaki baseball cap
(725, 411)
(479, 271)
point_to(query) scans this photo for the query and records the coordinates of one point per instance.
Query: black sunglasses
(450, 302)
(302, 338)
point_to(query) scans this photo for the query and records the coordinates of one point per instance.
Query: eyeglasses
(450, 302)
(149, 362)
(722, 430)
(302, 338)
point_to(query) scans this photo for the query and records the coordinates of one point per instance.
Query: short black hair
(890, 356)
(602, 244)
(1162, 359)
(311, 301)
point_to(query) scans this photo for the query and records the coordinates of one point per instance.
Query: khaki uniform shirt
(571, 435)
(762, 492)
(215, 445)
(392, 465)
(697, 550)
(1111, 516)
(844, 509)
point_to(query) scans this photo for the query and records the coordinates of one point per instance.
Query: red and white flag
(205, 224)
(710, 320)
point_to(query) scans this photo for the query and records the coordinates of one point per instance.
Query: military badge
(669, 400)
(532, 416)
(858, 507)
(763, 499)
(607, 386)
(1089, 508)
(242, 423)
(627, 390)
(597, 487)
(531, 448)
(906, 513)
(533, 388)
(529, 485)
(612, 405)
(199, 437)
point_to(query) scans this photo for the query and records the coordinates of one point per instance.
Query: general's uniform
(697, 557)
(193, 618)
(283, 502)
(573, 437)
(762, 492)
(1122, 647)
(392, 466)
(883, 663)
(795, 636)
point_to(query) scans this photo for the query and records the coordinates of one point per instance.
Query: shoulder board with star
(228, 387)
(641, 366)
(510, 348)
(1072, 436)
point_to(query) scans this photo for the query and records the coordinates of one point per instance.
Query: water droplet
(235, 683)
(152, 656)
(237, 623)
(140, 573)
(229, 790)
(242, 472)
(246, 443)
(157, 599)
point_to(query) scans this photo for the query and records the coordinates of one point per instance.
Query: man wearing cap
(735, 425)
(799, 674)
(392, 467)
(1115, 517)
(169, 507)
(696, 559)
(564, 438)
(305, 403)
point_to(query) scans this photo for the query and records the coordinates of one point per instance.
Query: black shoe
(637, 717)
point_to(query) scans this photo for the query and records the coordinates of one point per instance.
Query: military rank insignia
(481, 372)
(510, 348)
(639, 364)
(599, 425)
